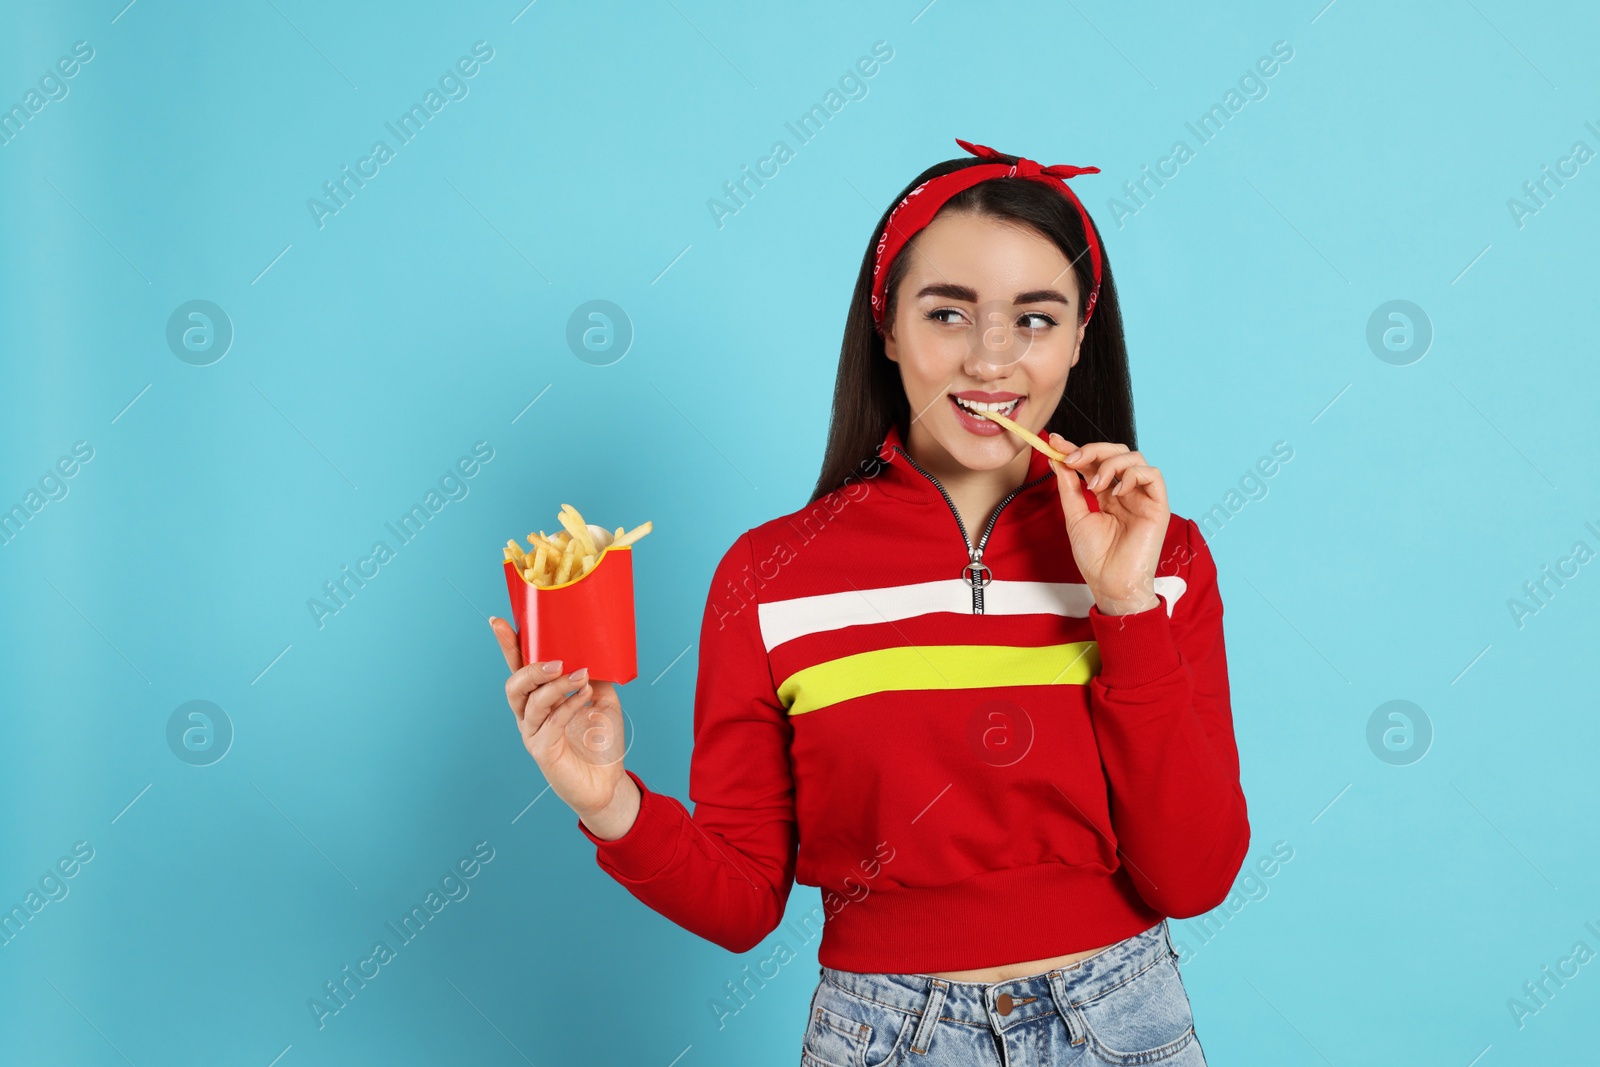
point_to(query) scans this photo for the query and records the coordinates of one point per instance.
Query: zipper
(975, 562)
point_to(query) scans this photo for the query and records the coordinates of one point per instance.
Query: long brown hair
(867, 393)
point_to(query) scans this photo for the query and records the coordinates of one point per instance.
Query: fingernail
(580, 674)
(553, 667)
(1072, 457)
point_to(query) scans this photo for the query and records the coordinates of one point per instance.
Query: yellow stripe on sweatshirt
(937, 667)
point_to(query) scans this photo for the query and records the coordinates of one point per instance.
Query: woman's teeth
(1004, 407)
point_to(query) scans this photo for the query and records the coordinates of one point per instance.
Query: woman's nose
(995, 337)
(993, 347)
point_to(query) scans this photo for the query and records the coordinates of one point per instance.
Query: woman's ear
(890, 349)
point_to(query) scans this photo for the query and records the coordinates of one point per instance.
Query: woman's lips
(979, 425)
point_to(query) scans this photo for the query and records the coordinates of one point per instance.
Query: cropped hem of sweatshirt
(939, 729)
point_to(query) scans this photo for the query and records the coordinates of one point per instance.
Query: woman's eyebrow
(951, 291)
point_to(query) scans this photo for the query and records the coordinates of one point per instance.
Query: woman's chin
(978, 453)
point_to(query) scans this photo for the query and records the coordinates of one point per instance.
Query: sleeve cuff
(1135, 649)
(649, 844)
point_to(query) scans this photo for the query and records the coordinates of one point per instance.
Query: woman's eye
(937, 314)
(1040, 320)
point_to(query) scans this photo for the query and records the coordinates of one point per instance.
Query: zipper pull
(976, 575)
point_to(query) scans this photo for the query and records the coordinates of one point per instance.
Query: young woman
(977, 695)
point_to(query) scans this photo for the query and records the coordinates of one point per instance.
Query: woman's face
(988, 311)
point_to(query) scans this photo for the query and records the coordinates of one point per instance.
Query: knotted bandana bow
(923, 203)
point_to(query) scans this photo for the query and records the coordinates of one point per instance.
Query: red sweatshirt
(974, 774)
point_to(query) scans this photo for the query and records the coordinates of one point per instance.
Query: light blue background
(372, 753)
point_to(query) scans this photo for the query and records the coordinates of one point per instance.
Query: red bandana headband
(923, 203)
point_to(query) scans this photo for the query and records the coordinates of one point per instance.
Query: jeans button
(1003, 1005)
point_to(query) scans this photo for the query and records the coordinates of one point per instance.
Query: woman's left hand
(1116, 548)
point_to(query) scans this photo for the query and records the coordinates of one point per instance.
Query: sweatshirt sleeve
(1161, 715)
(725, 872)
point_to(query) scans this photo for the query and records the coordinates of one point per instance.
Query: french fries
(1026, 435)
(569, 553)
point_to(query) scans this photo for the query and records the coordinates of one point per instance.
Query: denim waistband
(1030, 996)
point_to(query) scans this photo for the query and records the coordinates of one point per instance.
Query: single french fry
(1025, 434)
(580, 525)
(569, 556)
(541, 559)
(587, 565)
(632, 535)
(577, 528)
(514, 551)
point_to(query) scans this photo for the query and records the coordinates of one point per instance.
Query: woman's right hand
(577, 740)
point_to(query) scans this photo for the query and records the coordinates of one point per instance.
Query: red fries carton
(585, 622)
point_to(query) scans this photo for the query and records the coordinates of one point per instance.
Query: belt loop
(1166, 930)
(1064, 1007)
(930, 1016)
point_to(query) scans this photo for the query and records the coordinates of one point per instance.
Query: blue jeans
(1124, 1005)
